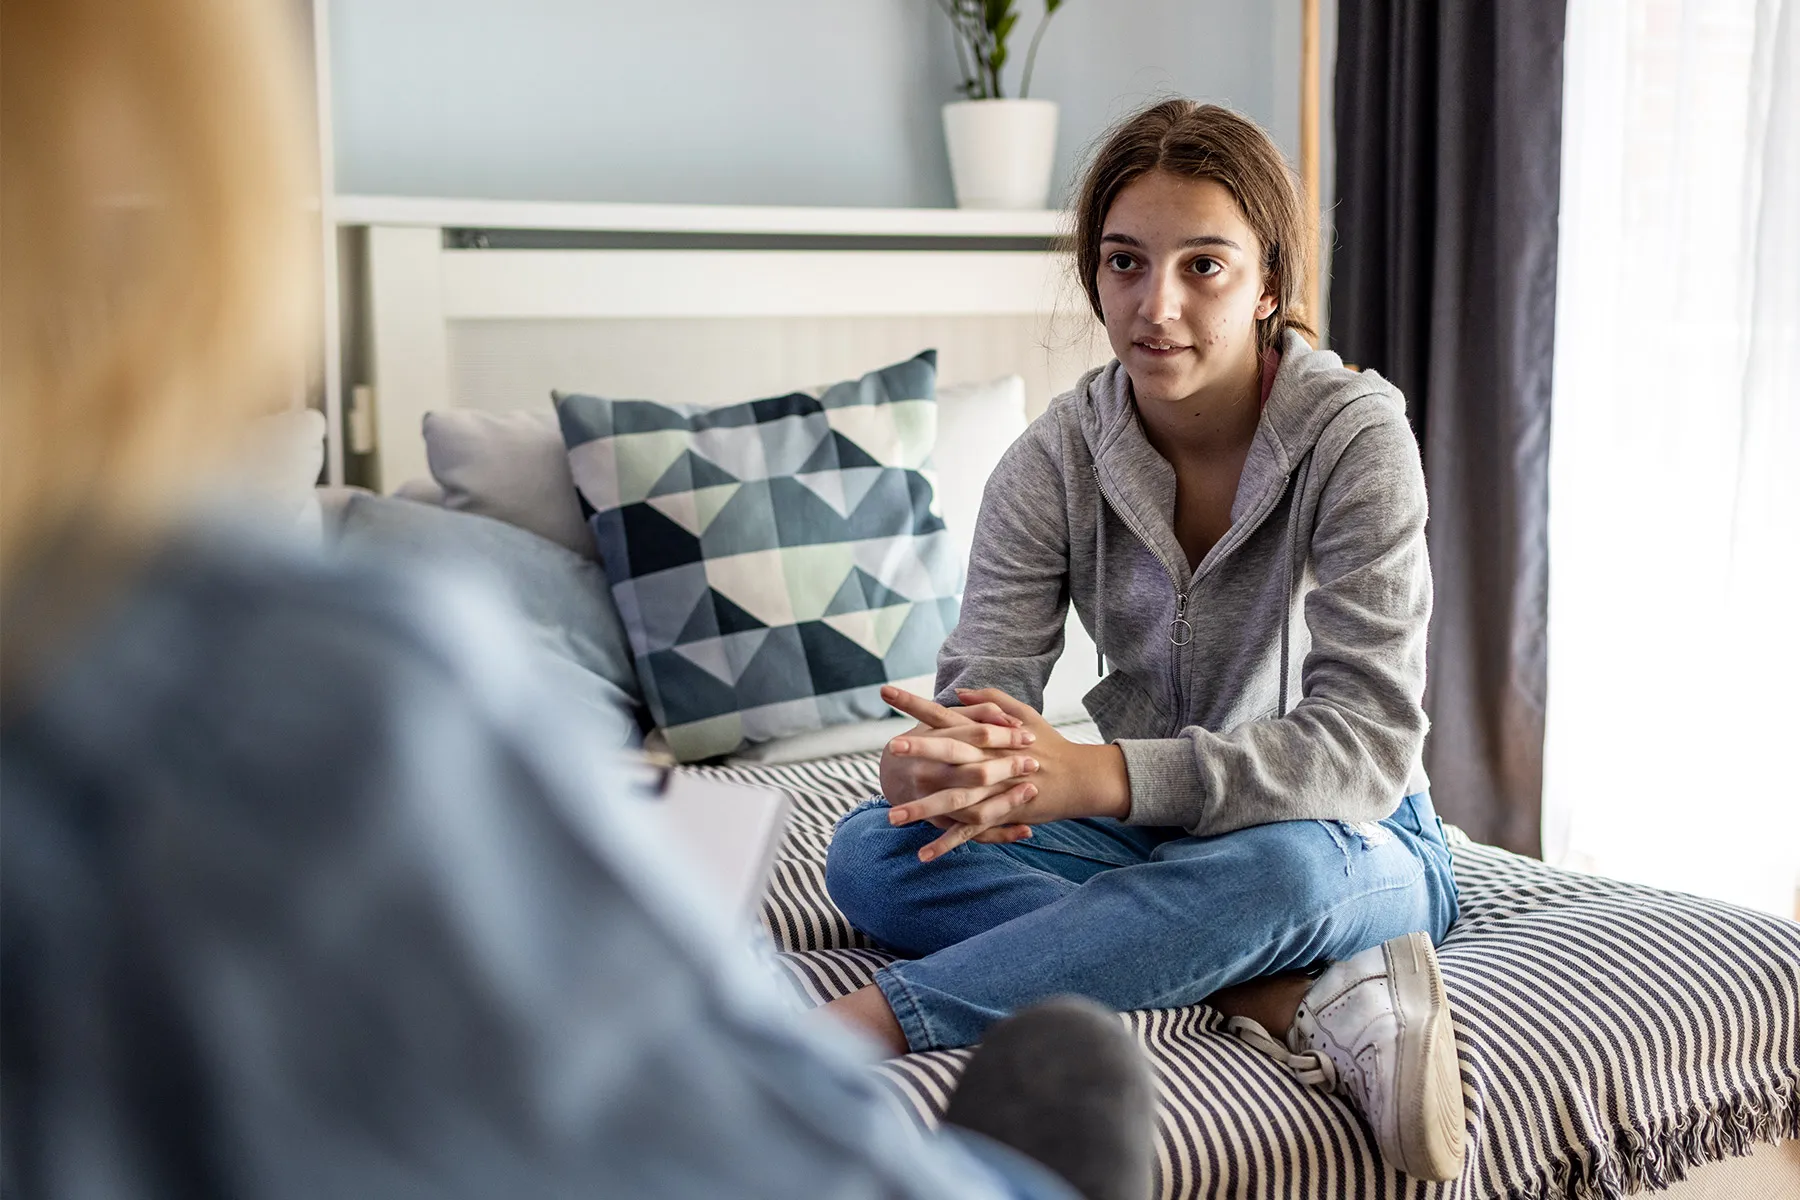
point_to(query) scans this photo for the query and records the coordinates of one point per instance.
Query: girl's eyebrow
(1207, 239)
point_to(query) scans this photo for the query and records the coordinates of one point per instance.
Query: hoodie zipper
(1180, 632)
(1180, 635)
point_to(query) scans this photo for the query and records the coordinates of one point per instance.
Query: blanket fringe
(1663, 1156)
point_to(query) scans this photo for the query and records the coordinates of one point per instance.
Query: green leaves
(1000, 29)
(982, 28)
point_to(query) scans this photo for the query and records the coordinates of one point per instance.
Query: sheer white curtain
(1672, 747)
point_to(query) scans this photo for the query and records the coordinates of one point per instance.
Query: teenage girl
(1239, 521)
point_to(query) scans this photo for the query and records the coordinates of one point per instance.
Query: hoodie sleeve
(1010, 633)
(1348, 748)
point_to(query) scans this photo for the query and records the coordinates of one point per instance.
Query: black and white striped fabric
(1611, 1036)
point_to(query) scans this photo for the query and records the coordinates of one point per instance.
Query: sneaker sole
(1431, 1134)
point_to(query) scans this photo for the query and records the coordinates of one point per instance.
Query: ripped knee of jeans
(1362, 835)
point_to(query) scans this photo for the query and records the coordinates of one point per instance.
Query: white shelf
(694, 218)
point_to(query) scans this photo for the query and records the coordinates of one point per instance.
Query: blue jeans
(1131, 916)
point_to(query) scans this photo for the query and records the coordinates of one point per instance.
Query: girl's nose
(1161, 300)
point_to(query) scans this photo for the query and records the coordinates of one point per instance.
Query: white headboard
(491, 305)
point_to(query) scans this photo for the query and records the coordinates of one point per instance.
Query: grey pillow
(512, 467)
(566, 606)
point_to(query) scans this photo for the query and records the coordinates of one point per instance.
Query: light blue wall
(831, 102)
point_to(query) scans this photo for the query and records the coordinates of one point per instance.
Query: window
(1672, 750)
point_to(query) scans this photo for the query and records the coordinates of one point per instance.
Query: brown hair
(1203, 141)
(159, 283)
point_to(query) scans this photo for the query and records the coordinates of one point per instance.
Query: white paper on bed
(729, 832)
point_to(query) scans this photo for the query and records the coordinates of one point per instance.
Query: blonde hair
(1204, 141)
(158, 271)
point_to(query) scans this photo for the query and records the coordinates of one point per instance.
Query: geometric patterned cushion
(774, 562)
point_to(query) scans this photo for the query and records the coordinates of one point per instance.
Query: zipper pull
(1180, 632)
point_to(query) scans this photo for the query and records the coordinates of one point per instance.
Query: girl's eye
(1206, 266)
(1119, 261)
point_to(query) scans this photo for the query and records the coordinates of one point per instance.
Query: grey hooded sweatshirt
(1281, 679)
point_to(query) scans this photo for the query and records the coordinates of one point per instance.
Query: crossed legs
(1129, 916)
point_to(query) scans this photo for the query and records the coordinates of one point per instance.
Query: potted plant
(1001, 149)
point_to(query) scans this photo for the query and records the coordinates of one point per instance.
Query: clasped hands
(990, 770)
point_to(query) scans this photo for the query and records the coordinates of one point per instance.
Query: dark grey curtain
(1448, 126)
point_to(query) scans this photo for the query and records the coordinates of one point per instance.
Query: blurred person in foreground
(306, 891)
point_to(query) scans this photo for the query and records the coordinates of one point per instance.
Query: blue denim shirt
(309, 891)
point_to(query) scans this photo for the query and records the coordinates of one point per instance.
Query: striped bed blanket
(1611, 1036)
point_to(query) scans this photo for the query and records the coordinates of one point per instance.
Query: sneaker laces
(1312, 1067)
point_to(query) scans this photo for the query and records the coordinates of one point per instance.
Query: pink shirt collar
(1271, 362)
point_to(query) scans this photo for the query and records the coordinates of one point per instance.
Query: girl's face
(1181, 287)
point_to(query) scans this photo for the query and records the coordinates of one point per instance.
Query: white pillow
(976, 423)
(512, 467)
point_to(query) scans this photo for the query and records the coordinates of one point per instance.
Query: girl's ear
(1265, 303)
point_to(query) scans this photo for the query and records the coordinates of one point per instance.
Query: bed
(1612, 1038)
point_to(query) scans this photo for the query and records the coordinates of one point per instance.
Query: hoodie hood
(1311, 388)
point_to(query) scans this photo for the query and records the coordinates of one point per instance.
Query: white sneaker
(1376, 1028)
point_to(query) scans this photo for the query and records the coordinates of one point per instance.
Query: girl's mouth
(1157, 348)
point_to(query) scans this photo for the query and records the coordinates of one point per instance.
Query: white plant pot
(1001, 152)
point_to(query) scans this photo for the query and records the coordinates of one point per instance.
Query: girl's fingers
(960, 805)
(991, 736)
(963, 744)
(1020, 793)
(991, 714)
(990, 813)
(978, 821)
(981, 822)
(1018, 710)
(920, 709)
(951, 802)
(936, 747)
(937, 716)
(985, 771)
(994, 770)
(939, 804)
(951, 839)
